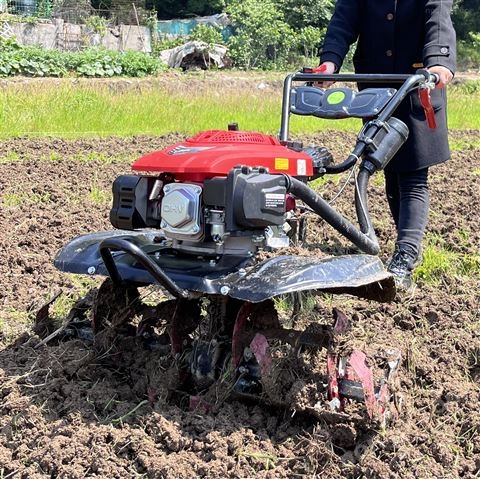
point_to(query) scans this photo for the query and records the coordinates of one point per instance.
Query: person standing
(401, 36)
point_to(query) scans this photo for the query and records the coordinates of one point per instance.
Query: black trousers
(408, 199)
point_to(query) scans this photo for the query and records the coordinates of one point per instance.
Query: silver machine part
(181, 211)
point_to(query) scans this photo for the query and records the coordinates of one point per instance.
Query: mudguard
(236, 276)
(360, 275)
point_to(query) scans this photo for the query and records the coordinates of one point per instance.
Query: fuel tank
(215, 152)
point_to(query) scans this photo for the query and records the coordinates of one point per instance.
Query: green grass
(99, 196)
(11, 322)
(64, 303)
(72, 109)
(10, 157)
(439, 261)
(464, 144)
(11, 200)
(67, 110)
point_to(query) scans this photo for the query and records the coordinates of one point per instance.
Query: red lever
(320, 69)
(424, 94)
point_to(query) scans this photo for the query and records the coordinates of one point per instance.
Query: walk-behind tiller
(204, 220)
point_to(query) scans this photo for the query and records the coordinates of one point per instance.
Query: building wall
(70, 36)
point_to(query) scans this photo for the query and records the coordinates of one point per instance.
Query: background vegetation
(92, 62)
(270, 33)
(263, 34)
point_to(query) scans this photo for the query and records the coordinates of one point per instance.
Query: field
(66, 413)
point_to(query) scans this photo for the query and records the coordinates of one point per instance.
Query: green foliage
(467, 87)
(44, 8)
(465, 18)
(308, 40)
(303, 13)
(29, 61)
(205, 7)
(262, 38)
(97, 24)
(94, 62)
(439, 261)
(99, 196)
(208, 34)
(168, 9)
(135, 64)
(436, 263)
(12, 200)
(469, 52)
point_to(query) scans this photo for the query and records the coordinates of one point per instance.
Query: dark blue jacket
(399, 36)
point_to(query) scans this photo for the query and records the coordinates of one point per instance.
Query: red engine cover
(215, 152)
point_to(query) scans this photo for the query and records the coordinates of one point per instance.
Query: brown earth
(67, 414)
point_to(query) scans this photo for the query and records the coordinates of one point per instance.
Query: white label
(301, 167)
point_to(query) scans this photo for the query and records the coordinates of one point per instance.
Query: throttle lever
(320, 69)
(431, 79)
(426, 102)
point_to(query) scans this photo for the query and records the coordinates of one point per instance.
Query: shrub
(469, 52)
(262, 38)
(135, 64)
(208, 34)
(94, 62)
(308, 40)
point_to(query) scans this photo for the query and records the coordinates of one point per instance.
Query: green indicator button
(335, 97)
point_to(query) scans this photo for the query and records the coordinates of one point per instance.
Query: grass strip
(70, 109)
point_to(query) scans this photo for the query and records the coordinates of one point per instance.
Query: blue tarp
(184, 26)
(176, 27)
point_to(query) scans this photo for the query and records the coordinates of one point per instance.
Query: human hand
(328, 68)
(444, 75)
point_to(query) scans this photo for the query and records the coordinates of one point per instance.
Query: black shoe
(401, 266)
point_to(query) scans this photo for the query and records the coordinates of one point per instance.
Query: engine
(236, 214)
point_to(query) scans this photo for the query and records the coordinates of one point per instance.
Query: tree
(205, 7)
(308, 40)
(302, 13)
(261, 37)
(466, 18)
(168, 9)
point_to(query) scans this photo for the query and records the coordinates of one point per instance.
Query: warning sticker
(281, 163)
(274, 200)
(301, 167)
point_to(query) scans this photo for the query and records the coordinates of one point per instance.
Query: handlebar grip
(429, 77)
(435, 77)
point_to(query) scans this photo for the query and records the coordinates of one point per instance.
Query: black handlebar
(408, 83)
(364, 236)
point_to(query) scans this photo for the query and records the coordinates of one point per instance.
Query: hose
(364, 239)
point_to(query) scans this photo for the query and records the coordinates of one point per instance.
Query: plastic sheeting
(182, 27)
(195, 54)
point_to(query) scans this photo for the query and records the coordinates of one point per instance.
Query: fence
(121, 11)
(68, 25)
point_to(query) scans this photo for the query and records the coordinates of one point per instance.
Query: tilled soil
(66, 413)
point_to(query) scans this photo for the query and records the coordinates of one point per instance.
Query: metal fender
(360, 275)
(82, 255)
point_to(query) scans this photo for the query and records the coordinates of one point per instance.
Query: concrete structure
(68, 36)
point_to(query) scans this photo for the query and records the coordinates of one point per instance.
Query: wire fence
(76, 11)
